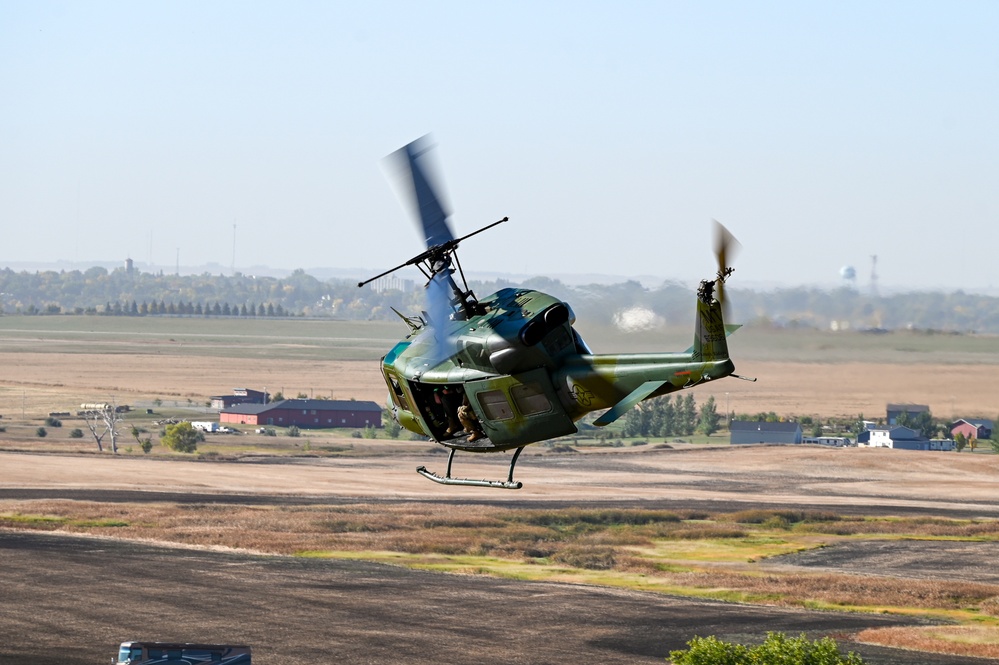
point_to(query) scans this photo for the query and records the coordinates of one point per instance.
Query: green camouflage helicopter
(509, 370)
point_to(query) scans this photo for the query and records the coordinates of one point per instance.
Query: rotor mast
(436, 264)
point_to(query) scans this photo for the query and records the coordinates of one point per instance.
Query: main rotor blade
(426, 200)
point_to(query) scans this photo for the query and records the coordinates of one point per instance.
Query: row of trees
(664, 416)
(188, 309)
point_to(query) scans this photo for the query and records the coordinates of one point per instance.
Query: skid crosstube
(508, 484)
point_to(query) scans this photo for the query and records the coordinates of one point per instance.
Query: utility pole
(874, 274)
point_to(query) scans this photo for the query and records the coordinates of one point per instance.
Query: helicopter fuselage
(527, 375)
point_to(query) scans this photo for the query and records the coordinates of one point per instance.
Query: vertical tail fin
(709, 329)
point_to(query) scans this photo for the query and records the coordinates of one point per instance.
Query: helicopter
(505, 371)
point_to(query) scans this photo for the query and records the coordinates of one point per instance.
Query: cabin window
(494, 405)
(530, 399)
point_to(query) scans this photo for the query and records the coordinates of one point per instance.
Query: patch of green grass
(33, 520)
(720, 550)
(100, 523)
(50, 520)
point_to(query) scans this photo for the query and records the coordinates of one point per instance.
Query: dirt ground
(788, 475)
(70, 599)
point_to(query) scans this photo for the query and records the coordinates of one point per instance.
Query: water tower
(848, 275)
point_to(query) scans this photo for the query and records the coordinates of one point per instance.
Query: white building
(907, 439)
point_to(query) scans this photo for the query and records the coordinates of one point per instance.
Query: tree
(709, 420)
(182, 437)
(391, 425)
(960, 441)
(687, 415)
(923, 422)
(105, 417)
(146, 444)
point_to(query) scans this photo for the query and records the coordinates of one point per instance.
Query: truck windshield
(126, 653)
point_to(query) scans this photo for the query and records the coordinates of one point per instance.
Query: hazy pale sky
(609, 133)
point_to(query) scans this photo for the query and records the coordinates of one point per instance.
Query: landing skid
(508, 484)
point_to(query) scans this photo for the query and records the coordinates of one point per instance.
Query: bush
(41, 433)
(53, 422)
(293, 431)
(76, 433)
(146, 444)
(777, 649)
(182, 437)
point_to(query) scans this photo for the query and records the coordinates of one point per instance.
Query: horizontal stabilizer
(622, 407)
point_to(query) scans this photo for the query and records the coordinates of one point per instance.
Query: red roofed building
(305, 414)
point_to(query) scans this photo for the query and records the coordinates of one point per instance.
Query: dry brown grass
(594, 539)
(825, 589)
(575, 539)
(976, 641)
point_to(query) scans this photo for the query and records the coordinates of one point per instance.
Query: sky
(248, 134)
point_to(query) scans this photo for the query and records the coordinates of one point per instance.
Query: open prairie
(54, 363)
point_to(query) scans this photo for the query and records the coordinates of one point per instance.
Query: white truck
(140, 653)
(211, 428)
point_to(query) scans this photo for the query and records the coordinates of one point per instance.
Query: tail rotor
(726, 247)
